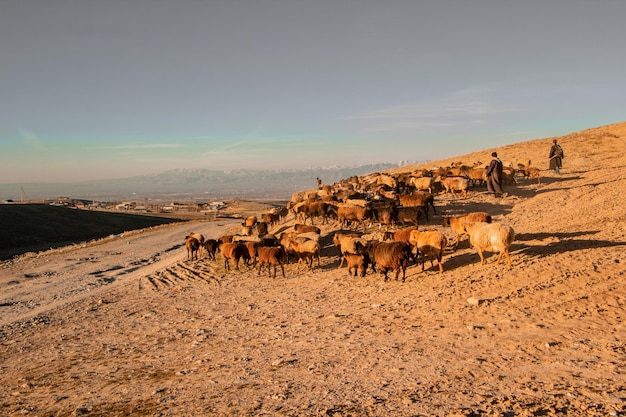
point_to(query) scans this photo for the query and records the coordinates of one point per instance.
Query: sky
(118, 88)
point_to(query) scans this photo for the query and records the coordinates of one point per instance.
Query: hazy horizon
(105, 90)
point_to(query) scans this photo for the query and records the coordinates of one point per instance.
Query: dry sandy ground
(128, 326)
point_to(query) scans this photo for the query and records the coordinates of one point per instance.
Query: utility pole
(23, 194)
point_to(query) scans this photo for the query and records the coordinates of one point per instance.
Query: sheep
(315, 209)
(357, 263)
(261, 228)
(491, 237)
(235, 251)
(475, 175)
(346, 213)
(429, 243)
(529, 172)
(349, 243)
(457, 223)
(419, 199)
(422, 183)
(401, 235)
(193, 246)
(200, 238)
(211, 245)
(226, 238)
(271, 256)
(387, 215)
(409, 215)
(251, 247)
(303, 228)
(270, 218)
(454, 184)
(250, 221)
(388, 256)
(307, 251)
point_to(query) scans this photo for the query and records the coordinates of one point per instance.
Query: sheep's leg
(282, 269)
(482, 258)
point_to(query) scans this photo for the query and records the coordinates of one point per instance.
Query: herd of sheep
(377, 200)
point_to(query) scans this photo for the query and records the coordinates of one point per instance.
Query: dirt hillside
(129, 326)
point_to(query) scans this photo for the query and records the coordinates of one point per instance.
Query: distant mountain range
(191, 184)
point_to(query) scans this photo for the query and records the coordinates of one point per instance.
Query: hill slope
(132, 327)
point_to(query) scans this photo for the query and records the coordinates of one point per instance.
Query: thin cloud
(142, 146)
(32, 140)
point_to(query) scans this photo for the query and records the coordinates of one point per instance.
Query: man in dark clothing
(556, 157)
(494, 176)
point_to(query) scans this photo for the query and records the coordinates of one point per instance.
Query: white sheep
(491, 237)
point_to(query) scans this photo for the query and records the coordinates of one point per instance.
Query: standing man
(494, 176)
(556, 157)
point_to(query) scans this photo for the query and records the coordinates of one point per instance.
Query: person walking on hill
(494, 176)
(556, 157)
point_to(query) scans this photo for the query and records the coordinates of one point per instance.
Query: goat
(457, 223)
(271, 256)
(388, 256)
(491, 237)
(429, 243)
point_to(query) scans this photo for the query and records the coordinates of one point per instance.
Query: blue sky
(109, 89)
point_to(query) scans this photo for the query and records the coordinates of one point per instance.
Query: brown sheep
(307, 251)
(386, 256)
(402, 235)
(347, 214)
(454, 184)
(271, 256)
(491, 237)
(250, 221)
(409, 215)
(211, 246)
(419, 199)
(457, 223)
(348, 243)
(315, 209)
(233, 251)
(200, 238)
(193, 246)
(529, 171)
(261, 228)
(422, 183)
(270, 218)
(429, 243)
(251, 247)
(357, 263)
(303, 228)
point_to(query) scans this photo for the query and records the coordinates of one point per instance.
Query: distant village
(131, 206)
